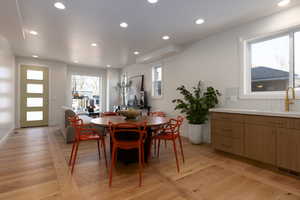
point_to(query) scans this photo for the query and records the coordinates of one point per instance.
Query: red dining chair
(158, 114)
(84, 132)
(107, 114)
(171, 132)
(138, 133)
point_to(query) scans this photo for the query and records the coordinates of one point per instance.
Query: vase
(195, 133)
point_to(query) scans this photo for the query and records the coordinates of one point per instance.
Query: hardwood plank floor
(33, 166)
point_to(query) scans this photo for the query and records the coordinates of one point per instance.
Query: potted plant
(196, 104)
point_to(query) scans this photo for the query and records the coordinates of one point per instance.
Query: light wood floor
(33, 166)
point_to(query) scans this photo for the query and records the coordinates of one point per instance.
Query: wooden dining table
(130, 156)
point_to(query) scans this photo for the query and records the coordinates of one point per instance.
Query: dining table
(131, 156)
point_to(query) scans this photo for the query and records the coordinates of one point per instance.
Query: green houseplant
(195, 105)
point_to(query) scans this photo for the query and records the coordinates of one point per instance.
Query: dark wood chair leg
(72, 152)
(175, 151)
(143, 154)
(75, 156)
(140, 166)
(155, 146)
(181, 149)
(99, 154)
(112, 165)
(104, 152)
(150, 149)
(158, 148)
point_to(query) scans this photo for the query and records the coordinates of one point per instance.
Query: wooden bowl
(130, 114)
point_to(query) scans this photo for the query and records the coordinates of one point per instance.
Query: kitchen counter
(257, 112)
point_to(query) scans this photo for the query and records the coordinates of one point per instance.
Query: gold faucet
(287, 100)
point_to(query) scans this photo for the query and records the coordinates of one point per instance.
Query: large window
(86, 92)
(157, 81)
(273, 63)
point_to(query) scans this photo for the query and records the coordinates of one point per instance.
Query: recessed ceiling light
(94, 44)
(32, 32)
(59, 5)
(136, 53)
(35, 56)
(75, 61)
(199, 21)
(284, 3)
(152, 1)
(166, 37)
(108, 66)
(124, 25)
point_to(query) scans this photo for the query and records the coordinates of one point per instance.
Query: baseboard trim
(6, 135)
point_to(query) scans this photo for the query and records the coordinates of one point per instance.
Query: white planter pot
(196, 133)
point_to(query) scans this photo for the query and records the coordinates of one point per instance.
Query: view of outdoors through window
(297, 59)
(156, 81)
(270, 64)
(85, 93)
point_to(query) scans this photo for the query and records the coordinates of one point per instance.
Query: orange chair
(107, 114)
(138, 133)
(158, 114)
(84, 132)
(170, 132)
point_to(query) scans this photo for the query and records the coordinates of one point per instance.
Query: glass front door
(34, 96)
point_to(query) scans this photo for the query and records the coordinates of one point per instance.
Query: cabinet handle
(225, 118)
(225, 145)
(226, 129)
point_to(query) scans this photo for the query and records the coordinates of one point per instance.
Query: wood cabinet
(228, 135)
(260, 143)
(271, 140)
(288, 149)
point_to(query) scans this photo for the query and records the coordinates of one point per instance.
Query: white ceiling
(66, 35)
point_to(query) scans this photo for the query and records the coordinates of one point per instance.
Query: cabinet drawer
(227, 144)
(293, 123)
(227, 129)
(228, 116)
(266, 121)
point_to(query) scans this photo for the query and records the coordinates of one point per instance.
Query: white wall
(113, 77)
(57, 86)
(7, 84)
(216, 61)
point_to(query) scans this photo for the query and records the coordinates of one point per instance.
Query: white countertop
(257, 112)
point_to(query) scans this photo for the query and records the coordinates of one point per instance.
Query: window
(297, 59)
(34, 116)
(157, 81)
(35, 88)
(86, 93)
(272, 64)
(35, 75)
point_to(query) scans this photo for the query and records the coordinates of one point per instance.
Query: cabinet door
(260, 143)
(288, 149)
(227, 136)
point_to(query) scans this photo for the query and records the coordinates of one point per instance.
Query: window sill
(157, 97)
(268, 95)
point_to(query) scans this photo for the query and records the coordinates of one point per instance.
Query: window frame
(245, 49)
(101, 103)
(152, 81)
